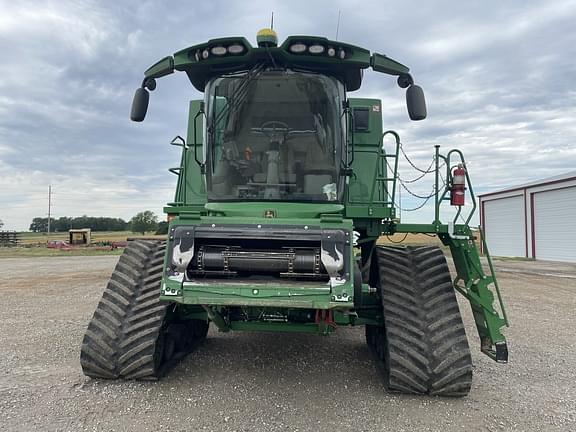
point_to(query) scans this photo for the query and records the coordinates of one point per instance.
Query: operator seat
(318, 169)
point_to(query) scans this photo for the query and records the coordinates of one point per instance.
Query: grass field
(97, 236)
(36, 252)
(34, 244)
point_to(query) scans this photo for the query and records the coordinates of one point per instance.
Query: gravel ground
(270, 382)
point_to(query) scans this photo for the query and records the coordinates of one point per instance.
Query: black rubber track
(423, 345)
(131, 335)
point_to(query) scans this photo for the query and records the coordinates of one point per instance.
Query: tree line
(40, 224)
(143, 222)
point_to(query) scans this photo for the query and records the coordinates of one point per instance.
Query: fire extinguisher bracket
(457, 191)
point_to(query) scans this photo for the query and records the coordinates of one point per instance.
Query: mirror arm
(148, 83)
(141, 98)
(161, 68)
(405, 80)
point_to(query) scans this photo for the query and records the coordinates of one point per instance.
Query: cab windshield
(274, 136)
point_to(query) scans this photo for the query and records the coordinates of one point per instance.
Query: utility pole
(49, 207)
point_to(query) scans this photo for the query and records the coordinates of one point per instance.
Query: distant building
(9, 238)
(80, 236)
(534, 220)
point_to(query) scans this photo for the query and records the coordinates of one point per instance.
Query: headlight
(298, 48)
(316, 49)
(205, 54)
(218, 50)
(331, 52)
(236, 49)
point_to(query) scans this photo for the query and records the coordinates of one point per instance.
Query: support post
(474, 284)
(217, 318)
(49, 208)
(436, 186)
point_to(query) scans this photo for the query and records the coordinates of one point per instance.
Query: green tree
(41, 224)
(162, 227)
(1, 224)
(63, 224)
(144, 221)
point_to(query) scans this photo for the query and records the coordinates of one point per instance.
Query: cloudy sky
(499, 79)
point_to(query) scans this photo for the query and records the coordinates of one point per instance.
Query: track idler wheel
(132, 335)
(422, 346)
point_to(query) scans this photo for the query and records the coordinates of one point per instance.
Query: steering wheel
(274, 129)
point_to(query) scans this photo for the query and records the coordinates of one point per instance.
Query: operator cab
(276, 116)
(274, 135)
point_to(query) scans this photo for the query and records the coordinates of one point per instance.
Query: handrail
(180, 171)
(396, 153)
(198, 114)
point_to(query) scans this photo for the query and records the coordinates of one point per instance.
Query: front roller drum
(422, 346)
(132, 335)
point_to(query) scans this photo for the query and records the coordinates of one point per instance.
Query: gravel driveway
(270, 382)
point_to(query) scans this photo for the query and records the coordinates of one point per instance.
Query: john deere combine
(284, 188)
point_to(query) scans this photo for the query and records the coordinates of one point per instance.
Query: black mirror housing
(416, 103)
(139, 105)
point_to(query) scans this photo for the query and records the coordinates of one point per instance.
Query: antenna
(338, 25)
(272, 22)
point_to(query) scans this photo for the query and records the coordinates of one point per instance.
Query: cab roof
(220, 56)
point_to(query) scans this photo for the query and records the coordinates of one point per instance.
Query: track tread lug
(424, 343)
(122, 339)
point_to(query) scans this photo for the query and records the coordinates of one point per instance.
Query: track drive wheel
(132, 335)
(422, 345)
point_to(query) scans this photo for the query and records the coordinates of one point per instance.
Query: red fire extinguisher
(457, 197)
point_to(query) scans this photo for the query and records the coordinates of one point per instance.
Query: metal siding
(554, 212)
(504, 226)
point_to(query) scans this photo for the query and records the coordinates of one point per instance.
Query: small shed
(534, 220)
(79, 236)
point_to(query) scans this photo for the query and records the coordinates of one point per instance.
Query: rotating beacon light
(457, 196)
(267, 38)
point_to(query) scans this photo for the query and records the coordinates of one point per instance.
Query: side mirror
(139, 105)
(416, 103)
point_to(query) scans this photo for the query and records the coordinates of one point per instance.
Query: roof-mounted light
(331, 52)
(218, 50)
(316, 49)
(342, 54)
(298, 48)
(267, 38)
(205, 54)
(236, 49)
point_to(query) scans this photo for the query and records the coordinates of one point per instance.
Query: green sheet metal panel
(367, 197)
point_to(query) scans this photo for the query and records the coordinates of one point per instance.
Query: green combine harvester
(283, 189)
